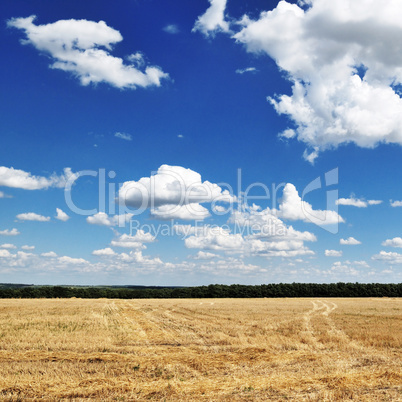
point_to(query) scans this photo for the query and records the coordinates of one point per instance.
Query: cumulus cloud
(83, 47)
(343, 76)
(8, 232)
(333, 253)
(50, 254)
(395, 242)
(395, 203)
(293, 207)
(215, 238)
(8, 246)
(213, 20)
(203, 255)
(388, 257)
(355, 202)
(171, 185)
(61, 215)
(16, 178)
(105, 252)
(193, 211)
(5, 254)
(103, 219)
(123, 136)
(137, 241)
(255, 233)
(28, 248)
(350, 241)
(264, 224)
(71, 260)
(32, 216)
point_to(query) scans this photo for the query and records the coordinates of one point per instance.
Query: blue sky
(137, 137)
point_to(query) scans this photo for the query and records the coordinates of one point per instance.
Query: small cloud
(103, 219)
(8, 246)
(312, 156)
(8, 232)
(50, 254)
(124, 136)
(180, 136)
(29, 248)
(61, 215)
(105, 252)
(395, 203)
(246, 70)
(172, 29)
(355, 202)
(351, 241)
(333, 253)
(32, 216)
(395, 242)
(288, 133)
(203, 255)
(374, 202)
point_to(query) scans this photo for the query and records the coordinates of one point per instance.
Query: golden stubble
(201, 349)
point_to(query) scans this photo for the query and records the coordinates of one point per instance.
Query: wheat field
(201, 349)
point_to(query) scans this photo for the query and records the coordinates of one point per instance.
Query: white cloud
(389, 257)
(8, 232)
(171, 185)
(333, 253)
(374, 202)
(50, 254)
(171, 29)
(28, 248)
(16, 178)
(61, 215)
(5, 254)
(395, 203)
(137, 241)
(139, 258)
(252, 236)
(101, 218)
(350, 241)
(215, 238)
(395, 242)
(355, 202)
(123, 136)
(8, 246)
(32, 216)
(203, 255)
(333, 52)
(105, 252)
(246, 70)
(83, 48)
(265, 224)
(191, 211)
(294, 208)
(213, 20)
(70, 260)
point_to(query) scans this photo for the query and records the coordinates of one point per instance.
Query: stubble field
(201, 349)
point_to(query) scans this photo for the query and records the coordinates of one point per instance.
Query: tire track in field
(344, 341)
(309, 332)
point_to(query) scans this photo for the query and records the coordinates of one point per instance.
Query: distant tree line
(211, 291)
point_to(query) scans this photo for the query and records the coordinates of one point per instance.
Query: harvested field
(201, 349)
